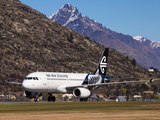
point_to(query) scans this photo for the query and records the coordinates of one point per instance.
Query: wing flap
(120, 78)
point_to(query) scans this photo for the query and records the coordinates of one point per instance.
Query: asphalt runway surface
(23, 102)
(35, 102)
(14, 102)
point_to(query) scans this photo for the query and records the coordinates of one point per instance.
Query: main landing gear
(83, 99)
(51, 98)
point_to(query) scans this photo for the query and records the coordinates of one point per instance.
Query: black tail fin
(101, 70)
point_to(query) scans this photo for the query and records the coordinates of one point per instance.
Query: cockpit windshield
(31, 78)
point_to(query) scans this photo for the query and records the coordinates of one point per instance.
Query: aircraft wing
(111, 83)
(14, 83)
(105, 84)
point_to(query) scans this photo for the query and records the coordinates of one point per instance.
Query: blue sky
(130, 17)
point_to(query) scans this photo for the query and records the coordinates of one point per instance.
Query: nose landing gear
(36, 99)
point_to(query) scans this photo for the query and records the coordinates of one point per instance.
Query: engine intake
(81, 92)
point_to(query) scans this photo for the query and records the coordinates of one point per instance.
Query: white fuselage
(52, 81)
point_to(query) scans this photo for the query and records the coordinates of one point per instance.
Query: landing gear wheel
(36, 100)
(49, 98)
(83, 99)
(53, 98)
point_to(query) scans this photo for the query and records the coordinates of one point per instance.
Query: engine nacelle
(81, 92)
(31, 94)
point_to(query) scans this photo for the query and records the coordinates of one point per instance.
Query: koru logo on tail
(103, 64)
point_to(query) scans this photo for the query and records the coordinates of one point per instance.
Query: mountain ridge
(97, 32)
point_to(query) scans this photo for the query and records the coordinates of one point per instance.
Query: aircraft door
(68, 80)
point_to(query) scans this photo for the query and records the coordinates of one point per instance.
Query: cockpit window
(31, 78)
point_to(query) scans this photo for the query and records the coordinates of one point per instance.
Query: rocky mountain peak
(65, 14)
(67, 6)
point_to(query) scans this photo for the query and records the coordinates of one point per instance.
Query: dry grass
(81, 111)
(89, 115)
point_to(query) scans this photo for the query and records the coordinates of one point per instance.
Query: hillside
(30, 42)
(70, 17)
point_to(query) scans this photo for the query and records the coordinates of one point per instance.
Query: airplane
(80, 85)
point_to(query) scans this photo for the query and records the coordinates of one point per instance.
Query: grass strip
(78, 106)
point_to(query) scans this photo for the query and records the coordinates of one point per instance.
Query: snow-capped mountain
(152, 44)
(155, 44)
(140, 38)
(140, 48)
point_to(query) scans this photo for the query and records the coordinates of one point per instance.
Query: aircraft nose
(26, 85)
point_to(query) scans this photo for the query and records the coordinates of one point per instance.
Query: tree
(134, 62)
(155, 69)
(152, 68)
(123, 91)
(116, 92)
(127, 57)
(70, 38)
(137, 87)
(144, 87)
(154, 87)
(155, 96)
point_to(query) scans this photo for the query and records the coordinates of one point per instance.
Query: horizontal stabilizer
(14, 83)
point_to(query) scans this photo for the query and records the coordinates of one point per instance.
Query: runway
(14, 102)
(35, 102)
(21, 102)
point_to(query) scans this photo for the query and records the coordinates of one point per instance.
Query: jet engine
(32, 94)
(81, 92)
